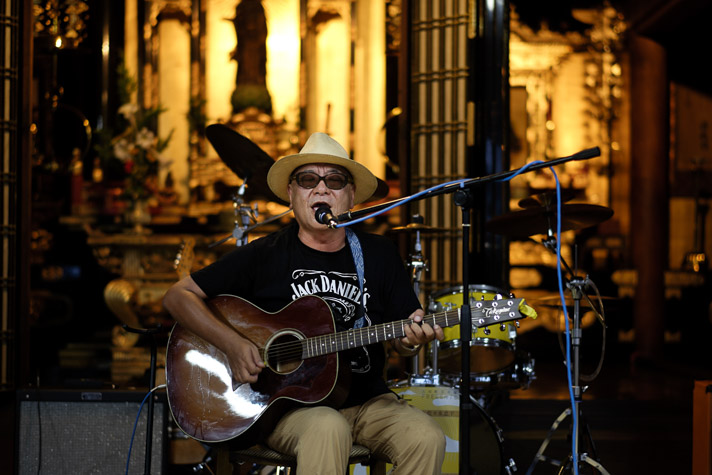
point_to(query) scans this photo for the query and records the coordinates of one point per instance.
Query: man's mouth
(319, 204)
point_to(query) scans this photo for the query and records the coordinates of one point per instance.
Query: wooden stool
(263, 455)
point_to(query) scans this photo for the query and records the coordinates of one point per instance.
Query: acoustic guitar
(300, 348)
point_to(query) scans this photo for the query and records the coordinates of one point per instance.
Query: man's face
(305, 201)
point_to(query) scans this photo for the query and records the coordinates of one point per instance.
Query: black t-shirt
(272, 271)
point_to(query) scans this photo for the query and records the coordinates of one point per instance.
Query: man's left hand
(418, 333)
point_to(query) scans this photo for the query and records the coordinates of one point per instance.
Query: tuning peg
(516, 323)
(502, 326)
(487, 331)
(511, 295)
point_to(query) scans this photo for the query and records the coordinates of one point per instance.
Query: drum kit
(496, 364)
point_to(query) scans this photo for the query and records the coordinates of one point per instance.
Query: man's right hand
(245, 361)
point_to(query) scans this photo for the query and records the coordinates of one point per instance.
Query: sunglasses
(309, 180)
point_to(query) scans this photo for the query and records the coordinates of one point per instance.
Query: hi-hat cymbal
(530, 221)
(245, 158)
(413, 227)
(546, 199)
(554, 301)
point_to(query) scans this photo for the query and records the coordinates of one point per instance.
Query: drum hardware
(240, 233)
(417, 264)
(541, 220)
(488, 388)
(576, 286)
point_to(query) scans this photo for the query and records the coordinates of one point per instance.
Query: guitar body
(199, 383)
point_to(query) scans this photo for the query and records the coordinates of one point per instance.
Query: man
(309, 258)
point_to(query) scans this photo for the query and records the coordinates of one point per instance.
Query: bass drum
(491, 348)
(442, 403)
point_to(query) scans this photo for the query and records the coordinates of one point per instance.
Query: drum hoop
(486, 342)
(457, 290)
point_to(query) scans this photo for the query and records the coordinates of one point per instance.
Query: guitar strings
(331, 343)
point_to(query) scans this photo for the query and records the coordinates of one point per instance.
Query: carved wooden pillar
(649, 199)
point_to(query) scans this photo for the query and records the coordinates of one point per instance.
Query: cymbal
(546, 199)
(530, 221)
(381, 192)
(413, 227)
(554, 301)
(244, 158)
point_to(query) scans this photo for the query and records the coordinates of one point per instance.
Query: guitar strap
(357, 254)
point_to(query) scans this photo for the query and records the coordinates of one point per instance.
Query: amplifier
(702, 428)
(85, 431)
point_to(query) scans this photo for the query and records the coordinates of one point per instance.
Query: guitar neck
(483, 313)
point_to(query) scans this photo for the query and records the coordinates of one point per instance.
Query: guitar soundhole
(284, 352)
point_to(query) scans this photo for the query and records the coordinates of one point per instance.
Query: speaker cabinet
(78, 432)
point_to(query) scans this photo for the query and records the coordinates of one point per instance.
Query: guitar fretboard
(483, 314)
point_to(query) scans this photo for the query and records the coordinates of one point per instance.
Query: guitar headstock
(492, 312)
(184, 259)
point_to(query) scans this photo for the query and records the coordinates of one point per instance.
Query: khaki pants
(321, 437)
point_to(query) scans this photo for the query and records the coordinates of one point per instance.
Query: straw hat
(320, 148)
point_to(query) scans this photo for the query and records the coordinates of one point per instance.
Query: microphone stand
(151, 385)
(576, 285)
(463, 198)
(452, 188)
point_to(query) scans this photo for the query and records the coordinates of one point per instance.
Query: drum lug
(511, 467)
(500, 433)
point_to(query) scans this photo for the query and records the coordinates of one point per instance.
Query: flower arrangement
(135, 154)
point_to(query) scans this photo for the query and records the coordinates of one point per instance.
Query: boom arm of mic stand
(582, 155)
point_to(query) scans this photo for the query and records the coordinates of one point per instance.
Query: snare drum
(517, 376)
(489, 353)
(442, 403)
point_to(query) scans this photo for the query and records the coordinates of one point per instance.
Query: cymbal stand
(417, 264)
(244, 215)
(575, 285)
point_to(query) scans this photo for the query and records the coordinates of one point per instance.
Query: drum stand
(244, 215)
(417, 264)
(576, 286)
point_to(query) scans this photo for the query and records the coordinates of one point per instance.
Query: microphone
(323, 215)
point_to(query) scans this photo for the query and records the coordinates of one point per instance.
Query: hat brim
(278, 176)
